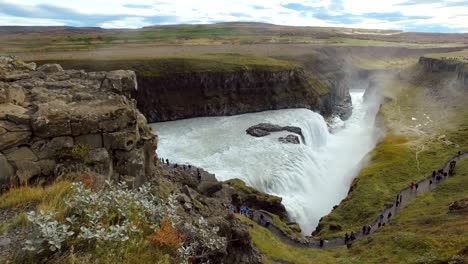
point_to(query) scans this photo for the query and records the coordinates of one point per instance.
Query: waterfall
(311, 178)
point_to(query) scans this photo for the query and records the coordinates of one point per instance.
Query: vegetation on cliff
(179, 65)
(424, 232)
(426, 118)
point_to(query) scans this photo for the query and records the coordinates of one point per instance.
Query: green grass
(320, 88)
(393, 164)
(424, 232)
(218, 63)
(26, 197)
(18, 221)
(274, 249)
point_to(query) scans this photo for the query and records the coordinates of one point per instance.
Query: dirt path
(407, 195)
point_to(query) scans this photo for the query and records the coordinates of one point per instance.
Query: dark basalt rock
(290, 139)
(265, 129)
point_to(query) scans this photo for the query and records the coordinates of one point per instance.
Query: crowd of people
(437, 176)
(182, 167)
(242, 210)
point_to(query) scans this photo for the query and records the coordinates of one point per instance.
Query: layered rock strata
(56, 123)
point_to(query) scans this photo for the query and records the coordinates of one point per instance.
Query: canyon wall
(178, 88)
(448, 65)
(163, 98)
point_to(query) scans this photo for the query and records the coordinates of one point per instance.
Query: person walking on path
(321, 243)
(369, 228)
(352, 237)
(167, 162)
(416, 186)
(433, 174)
(346, 239)
(381, 217)
(364, 230)
(198, 175)
(389, 216)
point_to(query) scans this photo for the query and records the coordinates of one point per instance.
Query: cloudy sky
(407, 15)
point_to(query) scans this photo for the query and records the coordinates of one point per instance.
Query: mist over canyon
(311, 178)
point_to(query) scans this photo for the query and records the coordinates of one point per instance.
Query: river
(311, 178)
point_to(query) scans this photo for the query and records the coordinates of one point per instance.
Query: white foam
(310, 178)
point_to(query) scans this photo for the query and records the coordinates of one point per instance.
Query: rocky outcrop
(243, 195)
(172, 97)
(458, 206)
(265, 129)
(290, 139)
(457, 66)
(56, 123)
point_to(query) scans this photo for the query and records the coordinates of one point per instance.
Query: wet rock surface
(265, 129)
(290, 139)
(51, 117)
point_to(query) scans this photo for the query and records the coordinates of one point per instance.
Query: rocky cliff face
(163, 98)
(57, 123)
(458, 67)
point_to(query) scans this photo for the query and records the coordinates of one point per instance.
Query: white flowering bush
(202, 237)
(110, 217)
(112, 214)
(52, 233)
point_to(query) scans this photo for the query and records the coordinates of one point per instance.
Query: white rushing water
(310, 178)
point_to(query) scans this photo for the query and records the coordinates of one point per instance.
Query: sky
(449, 16)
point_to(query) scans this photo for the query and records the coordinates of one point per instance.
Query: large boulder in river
(290, 139)
(54, 122)
(265, 129)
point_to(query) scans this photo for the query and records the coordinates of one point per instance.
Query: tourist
(321, 243)
(199, 175)
(445, 174)
(381, 217)
(352, 237)
(369, 228)
(167, 162)
(397, 203)
(190, 167)
(389, 216)
(416, 186)
(379, 225)
(433, 174)
(430, 183)
(364, 230)
(346, 239)
(438, 178)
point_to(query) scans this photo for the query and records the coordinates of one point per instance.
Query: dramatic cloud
(408, 15)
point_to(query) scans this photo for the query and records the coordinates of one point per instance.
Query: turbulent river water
(311, 178)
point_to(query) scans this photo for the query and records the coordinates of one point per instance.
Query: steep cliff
(219, 93)
(213, 85)
(58, 124)
(458, 67)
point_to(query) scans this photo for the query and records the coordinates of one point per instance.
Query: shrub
(112, 214)
(167, 236)
(80, 151)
